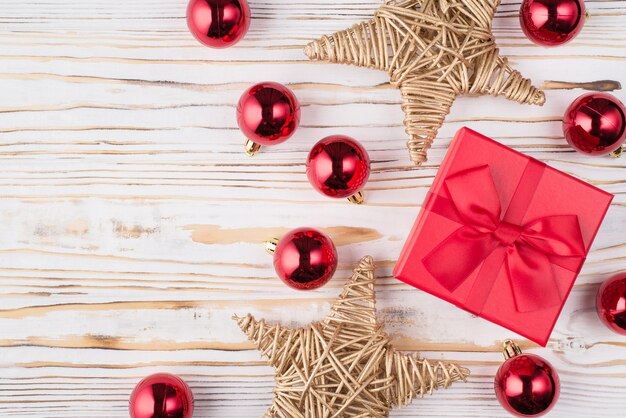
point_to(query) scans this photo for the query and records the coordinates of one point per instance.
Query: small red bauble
(611, 303)
(595, 124)
(218, 23)
(268, 113)
(552, 22)
(526, 385)
(161, 395)
(338, 166)
(304, 258)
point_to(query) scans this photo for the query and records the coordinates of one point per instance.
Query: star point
(433, 51)
(344, 365)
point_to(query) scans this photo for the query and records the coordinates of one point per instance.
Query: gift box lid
(502, 235)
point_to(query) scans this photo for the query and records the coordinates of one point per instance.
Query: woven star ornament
(344, 366)
(433, 51)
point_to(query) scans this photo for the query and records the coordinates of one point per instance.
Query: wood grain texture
(131, 215)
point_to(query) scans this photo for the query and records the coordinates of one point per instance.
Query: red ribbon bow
(528, 251)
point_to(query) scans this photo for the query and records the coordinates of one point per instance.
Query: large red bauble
(527, 385)
(338, 166)
(595, 124)
(305, 259)
(611, 303)
(268, 113)
(552, 22)
(218, 23)
(161, 395)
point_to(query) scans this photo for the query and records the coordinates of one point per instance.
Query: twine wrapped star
(344, 366)
(433, 50)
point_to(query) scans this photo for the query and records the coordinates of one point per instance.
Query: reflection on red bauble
(526, 385)
(268, 113)
(552, 22)
(595, 124)
(305, 258)
(611, 303)
(161, 395)
(338, 166)
(218, 23)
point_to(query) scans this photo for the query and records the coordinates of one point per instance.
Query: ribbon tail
(532, 279)
(456, 257)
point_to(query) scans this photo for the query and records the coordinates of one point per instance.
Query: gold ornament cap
(270, 246)
(510, 349)
(618, 152)
(357, 199)
(251, 147)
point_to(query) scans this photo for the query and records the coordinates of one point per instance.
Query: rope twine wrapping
(433, 50)
(344, 366)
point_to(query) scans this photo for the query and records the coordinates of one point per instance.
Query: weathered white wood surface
(131, 218)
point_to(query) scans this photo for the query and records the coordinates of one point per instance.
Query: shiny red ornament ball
(268, 113)
(338, 166)
(595, 124)
(305, 259)
(218, 23)
(552, 22)
(611, 303)
(526, 385)
(161, 395)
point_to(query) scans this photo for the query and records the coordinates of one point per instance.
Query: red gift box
(502, 235)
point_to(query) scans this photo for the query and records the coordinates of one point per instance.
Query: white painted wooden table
(131, 219)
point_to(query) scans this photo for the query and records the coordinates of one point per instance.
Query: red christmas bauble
(611, 303)
(595, 124)
(338, 166)
(305, 259)
(526, 385)
(268, 113)
(552, 22)
(161, 395)
(218, 23)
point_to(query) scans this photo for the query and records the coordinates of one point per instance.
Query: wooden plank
(132, 219)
